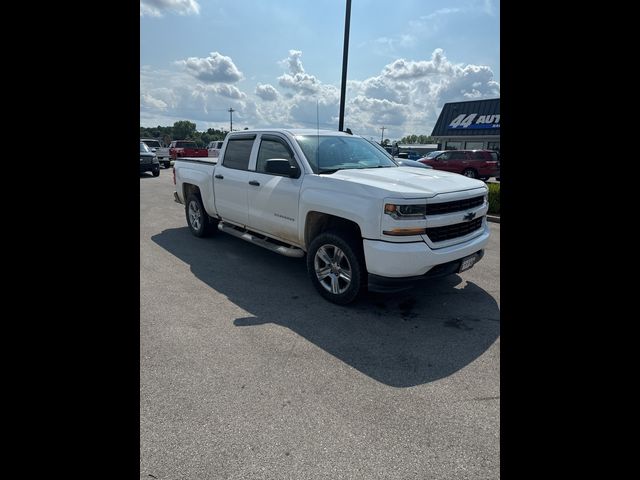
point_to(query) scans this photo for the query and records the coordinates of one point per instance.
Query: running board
(245, 235)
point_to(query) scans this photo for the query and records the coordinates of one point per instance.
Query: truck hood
(409, 182)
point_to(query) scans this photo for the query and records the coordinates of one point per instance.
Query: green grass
(494, 198)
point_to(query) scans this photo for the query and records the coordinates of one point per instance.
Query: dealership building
(470, 125)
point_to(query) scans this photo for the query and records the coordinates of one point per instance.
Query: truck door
(273, 195)
(231, 179)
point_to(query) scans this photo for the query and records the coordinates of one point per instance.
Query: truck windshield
(144, 148)
(328, 154)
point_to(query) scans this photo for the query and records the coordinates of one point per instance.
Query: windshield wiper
(328, 170)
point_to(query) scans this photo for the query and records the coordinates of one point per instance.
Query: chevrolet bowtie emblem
(469, 216)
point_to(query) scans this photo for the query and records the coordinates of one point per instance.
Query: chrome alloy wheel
(195, 215)
(333, 269)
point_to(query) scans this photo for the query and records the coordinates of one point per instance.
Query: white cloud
(294, 62)
(297, 79)
(301, 82)
(441, 11)
(214, 68)
(167, 96)
(402, 69)
(155, 8)
(229, 91)
(406, 97)
(267, 92)
(149, 101)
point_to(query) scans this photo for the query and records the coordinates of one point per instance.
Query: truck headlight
(405, 211)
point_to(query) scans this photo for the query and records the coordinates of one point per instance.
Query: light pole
(345, 55)
(231, 110)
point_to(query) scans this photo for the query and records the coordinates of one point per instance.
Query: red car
(480, 164)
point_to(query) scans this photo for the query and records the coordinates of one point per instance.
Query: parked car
(403, 162)
(480, 164)
(161, 152)
(148, 160)
(433, 154)
(409, 155)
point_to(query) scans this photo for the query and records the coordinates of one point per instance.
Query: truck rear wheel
(199, 222)
(336, 266)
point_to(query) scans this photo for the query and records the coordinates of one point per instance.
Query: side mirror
(281, 166)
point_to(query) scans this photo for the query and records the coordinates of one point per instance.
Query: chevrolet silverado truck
(186, 148)
(362, 221)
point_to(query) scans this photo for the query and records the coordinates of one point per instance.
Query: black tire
(156, 172)
(343, 280)
(200, 224)
(167, 164)
(470, 172)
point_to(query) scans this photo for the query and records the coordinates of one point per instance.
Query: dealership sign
(469, 121)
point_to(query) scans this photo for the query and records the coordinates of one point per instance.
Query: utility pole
(345, 55)
(231, 110)
(382, 135)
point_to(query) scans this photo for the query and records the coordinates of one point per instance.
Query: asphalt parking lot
(246, 372)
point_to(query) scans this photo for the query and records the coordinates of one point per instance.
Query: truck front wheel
(199, 222)
(336, 266)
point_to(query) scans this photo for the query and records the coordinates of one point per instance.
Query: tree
(386, 142)
(421, 139)
(184, 129)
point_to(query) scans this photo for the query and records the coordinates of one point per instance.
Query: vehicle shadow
(401, 340)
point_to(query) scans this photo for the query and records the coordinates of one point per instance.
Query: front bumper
(149, 167)
(397, 263)
(382, 284)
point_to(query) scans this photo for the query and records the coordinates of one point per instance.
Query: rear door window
(237, 153)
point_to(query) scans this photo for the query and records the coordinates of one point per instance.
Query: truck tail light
(174, 174)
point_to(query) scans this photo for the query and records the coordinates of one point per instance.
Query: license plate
(467, 263)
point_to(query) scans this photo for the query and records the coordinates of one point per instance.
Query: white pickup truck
(214, 148)
(362, 220)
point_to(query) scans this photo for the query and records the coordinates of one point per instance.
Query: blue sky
(274, 61)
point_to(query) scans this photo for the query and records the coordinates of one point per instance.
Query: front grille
(456, 206)
(440, 234)
(145, 160)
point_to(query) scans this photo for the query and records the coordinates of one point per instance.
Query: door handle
(219, 176)
(253, 182)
